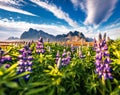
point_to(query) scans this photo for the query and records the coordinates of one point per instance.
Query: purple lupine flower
(57, 56)
(30, 58)
(40, 46)
(102, 58)
(7, 58)
(64, 53)
(40, 39)
(68, 58)
(21, 50)
(64, 59)
(7, 65)
(25, 61)
(81, 54)
(3, 58)
(69, 55)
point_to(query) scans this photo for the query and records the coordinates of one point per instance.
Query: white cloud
(79, 4)
(113, 33)
(114, 25)
(15, 28)
(56, 11)
(97, 11)
(75, 2)
(13, 6)
(11, 2)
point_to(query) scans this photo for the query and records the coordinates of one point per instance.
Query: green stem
(103, 85)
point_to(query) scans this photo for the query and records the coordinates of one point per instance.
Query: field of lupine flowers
(52, 69)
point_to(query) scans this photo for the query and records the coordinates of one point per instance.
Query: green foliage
(77, 78)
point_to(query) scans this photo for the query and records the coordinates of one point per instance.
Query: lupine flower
(64, 59)
(102, 58)
(7, 58)
(72, 48)
(59, 63)
(68, 58)
(7, 65)
(57, 56)
(25, 61)
(81, 54)
(40, 46)
(3, 58)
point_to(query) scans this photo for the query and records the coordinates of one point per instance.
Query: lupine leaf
(11, 84)
(11, 68)
(37, 90)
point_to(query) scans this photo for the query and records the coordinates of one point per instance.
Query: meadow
(60, 69)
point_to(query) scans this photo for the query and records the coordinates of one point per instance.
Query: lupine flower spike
(64, 59)
(68, 57)
(102, 58)
(40, 46)
(25, 61)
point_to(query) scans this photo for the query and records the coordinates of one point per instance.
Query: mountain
(34, 34)
(75, 36)
(13, 38)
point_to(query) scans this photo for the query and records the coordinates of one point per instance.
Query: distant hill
(13, 38)
(34, 34)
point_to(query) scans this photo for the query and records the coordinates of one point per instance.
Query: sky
(90, 17)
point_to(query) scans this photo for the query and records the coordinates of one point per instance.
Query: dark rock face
(33, 34)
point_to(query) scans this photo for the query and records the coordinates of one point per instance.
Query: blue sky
(60, 16)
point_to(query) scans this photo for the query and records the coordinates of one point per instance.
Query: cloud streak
(13, 6)
(97, 11)
(56, 12)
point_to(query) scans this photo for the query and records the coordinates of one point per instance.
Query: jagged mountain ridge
(34, 34)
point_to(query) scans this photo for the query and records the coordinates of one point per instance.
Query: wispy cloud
(13, 6)
(56, 11)
(97, 11)
(112, 26)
